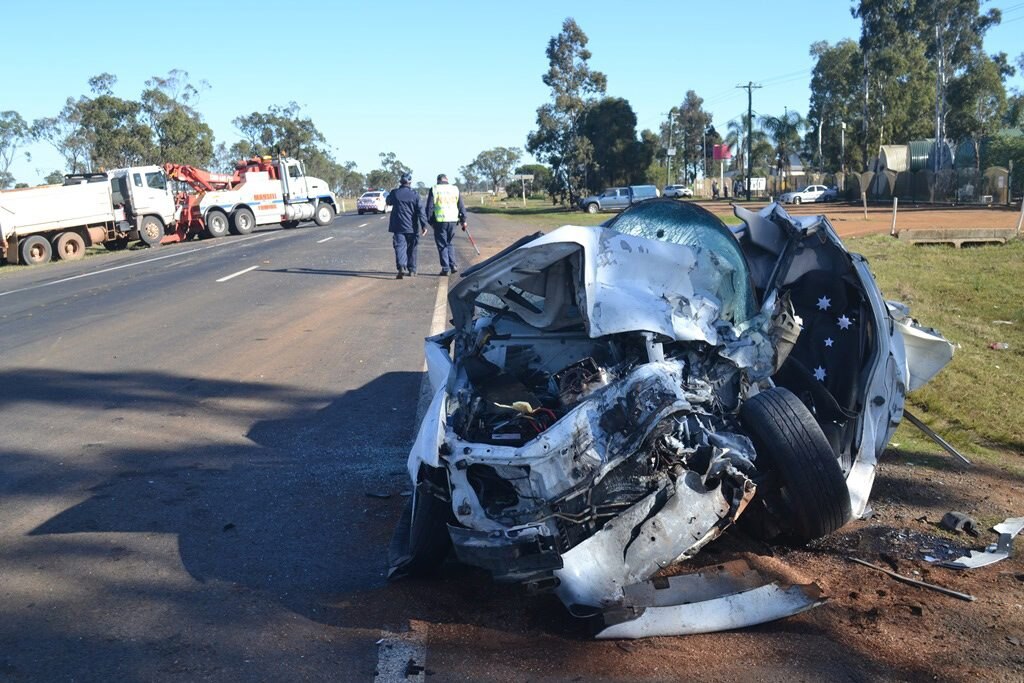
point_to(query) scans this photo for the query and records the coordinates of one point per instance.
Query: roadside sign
(523, 176)
(671, 151)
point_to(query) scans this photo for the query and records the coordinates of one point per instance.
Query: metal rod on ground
(895, 203)
(471, 240)
(935, 437)
(915, 582)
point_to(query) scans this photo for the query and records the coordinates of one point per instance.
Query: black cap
(442, 176)
(406, 178)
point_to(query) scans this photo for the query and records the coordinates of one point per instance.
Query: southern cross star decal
(819, 373)
(824, 303)
(844, 322)
(829, 342)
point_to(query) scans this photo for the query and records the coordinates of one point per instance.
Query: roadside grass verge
(971, 295)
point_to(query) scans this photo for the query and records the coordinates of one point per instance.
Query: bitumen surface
(203, 455)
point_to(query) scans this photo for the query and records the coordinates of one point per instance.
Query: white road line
(136, 263)
(241, 272)
(438, 323)
(326, 239)
(363, 225)
(402, 656)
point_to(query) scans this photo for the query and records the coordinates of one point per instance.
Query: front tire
(216, 224)
(151, 231)
(242, 221)
(804, 495)
(591, 208)
(34, 250)
(324, 214)
(70, 246)
(796, 200)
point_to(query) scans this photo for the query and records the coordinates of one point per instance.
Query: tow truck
(261, 191)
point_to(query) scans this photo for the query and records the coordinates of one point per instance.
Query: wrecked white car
(613, 398)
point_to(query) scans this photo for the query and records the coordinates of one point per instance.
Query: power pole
(750, 86)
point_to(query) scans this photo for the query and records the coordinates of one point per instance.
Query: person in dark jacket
(408, 222)
(445, 210)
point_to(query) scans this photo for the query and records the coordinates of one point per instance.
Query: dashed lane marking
(326, 239)
(234, 275)
(362, 225)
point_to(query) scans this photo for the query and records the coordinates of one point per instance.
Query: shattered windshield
(690, 225)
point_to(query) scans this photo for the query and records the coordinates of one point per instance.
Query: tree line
(99, 131)
(919, 70)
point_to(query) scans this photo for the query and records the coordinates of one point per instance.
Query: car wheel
(591, 208)
(802, 494)
(216, 224)
(796, 200)
(242, 221)
(421, 541)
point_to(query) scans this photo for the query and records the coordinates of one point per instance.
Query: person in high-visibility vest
(445, 210)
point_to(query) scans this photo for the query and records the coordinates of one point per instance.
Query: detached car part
(613, 398)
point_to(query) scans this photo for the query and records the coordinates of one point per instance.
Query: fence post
(895, 203)
(864, 201)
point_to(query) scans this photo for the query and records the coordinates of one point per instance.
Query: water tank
(893, 157)
(922, 155)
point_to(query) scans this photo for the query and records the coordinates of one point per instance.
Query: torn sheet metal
(720, 598)
(1000, 550)
(643, 540)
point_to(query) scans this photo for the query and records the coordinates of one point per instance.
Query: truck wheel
(151, 231)
(324, 214)
(70, 246)
(591, 208)
(803, 495)
(35, 250)
(216, 224)
(242, 221)
(116, 244)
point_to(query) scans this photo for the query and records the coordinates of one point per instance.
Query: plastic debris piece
(1007, 530)
(958, 521)
(998, 346)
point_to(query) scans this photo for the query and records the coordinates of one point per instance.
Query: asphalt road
(190, 436)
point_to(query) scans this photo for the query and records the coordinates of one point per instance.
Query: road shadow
(304, 511)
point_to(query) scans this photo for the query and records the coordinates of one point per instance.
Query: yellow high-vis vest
(446, 203)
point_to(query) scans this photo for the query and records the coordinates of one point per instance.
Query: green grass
(977, 401)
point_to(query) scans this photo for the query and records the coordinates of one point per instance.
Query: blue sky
(435, 82)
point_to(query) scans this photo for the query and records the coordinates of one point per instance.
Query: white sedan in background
(677, 191)
(811, 193)
(373, 201)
